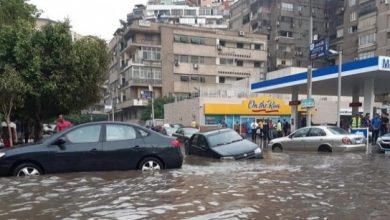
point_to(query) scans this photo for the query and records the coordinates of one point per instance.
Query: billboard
(319, 49)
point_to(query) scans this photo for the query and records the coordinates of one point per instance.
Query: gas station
(364, 78)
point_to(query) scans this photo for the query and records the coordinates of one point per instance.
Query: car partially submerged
(320, 138)
(222, 144)
(97, 146)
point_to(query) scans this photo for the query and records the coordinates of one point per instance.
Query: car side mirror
(60, 142)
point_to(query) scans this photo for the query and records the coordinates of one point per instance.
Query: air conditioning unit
(196, 66)
(176, 63)
(219, 47)
(241, 33)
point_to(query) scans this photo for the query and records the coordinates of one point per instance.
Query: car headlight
(2, 154)
(227, 158)
(258, 150)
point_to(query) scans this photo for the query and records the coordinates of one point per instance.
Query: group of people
(265, 129)
(9, 136)
(378, 125)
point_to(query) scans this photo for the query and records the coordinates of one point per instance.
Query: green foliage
(12, 91)
(158, 108)
(14, 10)
(84, 118)
(63, 76)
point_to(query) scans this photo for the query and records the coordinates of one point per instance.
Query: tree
(158, 108)
(13, 10)
(64, 76)
(12, 93)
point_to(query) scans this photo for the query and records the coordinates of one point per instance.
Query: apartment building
(286, 24)
(365, 31)
(177, 61)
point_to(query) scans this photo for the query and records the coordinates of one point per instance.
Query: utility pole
(309, 68)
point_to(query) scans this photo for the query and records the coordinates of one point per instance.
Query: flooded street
(292, 185)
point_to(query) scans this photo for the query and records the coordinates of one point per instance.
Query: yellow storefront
(249, 110)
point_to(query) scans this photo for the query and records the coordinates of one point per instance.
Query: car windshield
(190, 131)
(224, 137)
(336, 130)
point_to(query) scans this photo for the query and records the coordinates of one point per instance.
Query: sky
(88, 17)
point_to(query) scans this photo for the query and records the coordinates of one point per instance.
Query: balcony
(245, 54)
(144, 82)
(132, 103)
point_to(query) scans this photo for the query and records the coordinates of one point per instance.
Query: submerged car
(319, 138)
(222, 144)
(383, 143)
(98, 146)
(183, 134)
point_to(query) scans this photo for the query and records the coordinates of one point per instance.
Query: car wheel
(277, 148)
(27, 169)
(150, 164)
(325, 148)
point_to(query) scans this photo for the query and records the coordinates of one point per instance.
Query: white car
(320, 138)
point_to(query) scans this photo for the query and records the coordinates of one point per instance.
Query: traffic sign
(319, 49)
(307, 103)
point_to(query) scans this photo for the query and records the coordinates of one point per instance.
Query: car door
(78, 150)
(314, 139)
(194, 148)
(123, 147)
(203, 147)
(297, 140)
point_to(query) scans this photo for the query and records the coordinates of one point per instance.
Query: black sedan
(99, 146)
(222, 144)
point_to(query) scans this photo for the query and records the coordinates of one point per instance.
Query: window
(352, 16)
(246, 19)
(183, 59)
(240, 45)
(202, 142)
(194, 140)
(183, 39)
(300, 133)
(283, 62)
(222, 43)
(258, 47)
(120, 133)
(184, 78)
(240, 63)
(367, 40)
(202, 79)
(256, 64)
(366, 55)
(352, 29)
(151, 53)
(315, 132)
(352, 3)
(225, 61)
(197, 40)
(287, 6)
(88, 134)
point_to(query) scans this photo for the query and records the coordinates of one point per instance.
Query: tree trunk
(8, 121)
(38, 128)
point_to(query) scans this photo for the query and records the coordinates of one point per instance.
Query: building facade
(286, 23)
(177, 61)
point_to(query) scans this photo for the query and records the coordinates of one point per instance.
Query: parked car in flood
(222, 144)
(98, 146)
(383, 143)
(183, 134)
(319, 138)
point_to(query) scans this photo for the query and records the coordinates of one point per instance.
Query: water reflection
(281, 186)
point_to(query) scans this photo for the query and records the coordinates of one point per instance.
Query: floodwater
(289, 185)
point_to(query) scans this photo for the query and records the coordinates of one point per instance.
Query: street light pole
(309, 68)
(152, 96)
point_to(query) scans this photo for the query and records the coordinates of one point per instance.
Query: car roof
(216, 131)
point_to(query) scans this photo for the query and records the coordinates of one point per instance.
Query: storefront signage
(250, 106)
(308, 103)
(296, 102)
(263, 106)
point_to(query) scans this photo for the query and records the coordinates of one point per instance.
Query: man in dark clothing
(384, 122)
(286, 127)
(266, 131)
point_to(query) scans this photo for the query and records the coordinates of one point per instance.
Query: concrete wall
(183, 112)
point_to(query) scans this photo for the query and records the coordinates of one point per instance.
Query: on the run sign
(384, 63)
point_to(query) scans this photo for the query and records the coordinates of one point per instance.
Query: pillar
(355, 99)
(368, 105)
(294, 109)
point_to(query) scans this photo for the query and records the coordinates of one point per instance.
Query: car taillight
(175, 143)
(346, 140)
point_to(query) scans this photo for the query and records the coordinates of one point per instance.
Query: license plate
(359, 141)
(387, 152)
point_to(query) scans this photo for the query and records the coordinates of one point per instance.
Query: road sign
(319, 49)
(295, 102)
(307, 103)
(355, 104)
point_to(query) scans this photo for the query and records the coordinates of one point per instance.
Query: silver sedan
(320, 138)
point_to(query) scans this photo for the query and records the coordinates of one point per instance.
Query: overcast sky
(88, 17)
